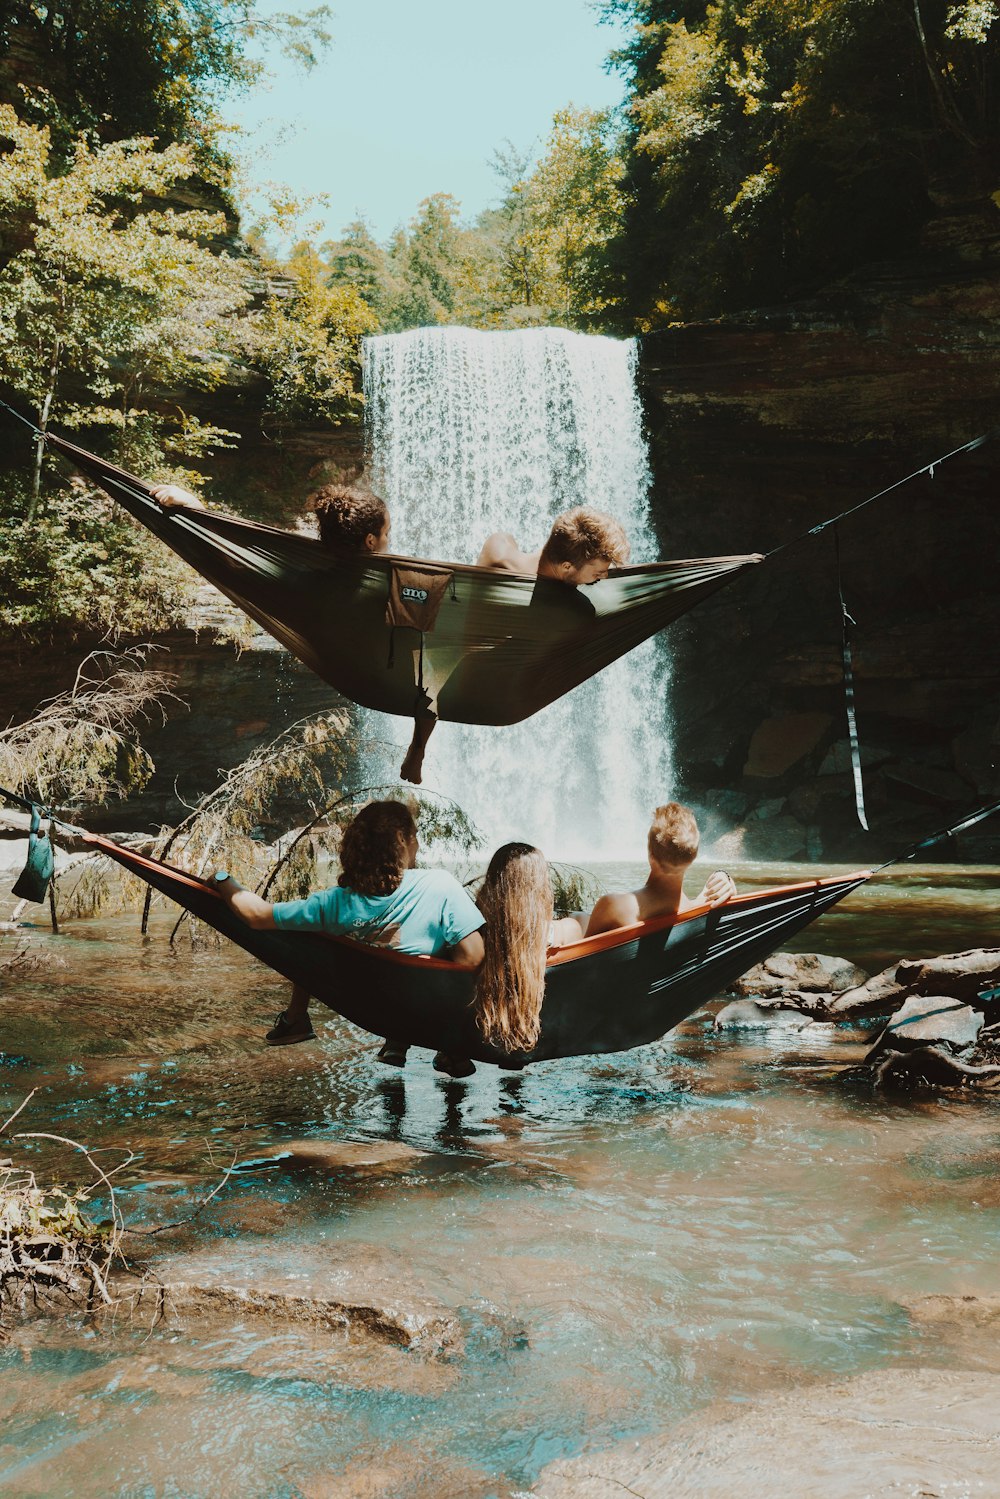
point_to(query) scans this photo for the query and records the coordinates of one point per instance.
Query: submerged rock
(344, 1155)
(746, 1015)
(189, 1305)
(891, 1431)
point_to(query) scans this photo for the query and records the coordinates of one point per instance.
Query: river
(621, 1240)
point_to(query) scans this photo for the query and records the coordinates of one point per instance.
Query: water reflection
(624, 1239)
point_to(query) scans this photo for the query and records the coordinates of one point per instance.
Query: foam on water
(470, 433)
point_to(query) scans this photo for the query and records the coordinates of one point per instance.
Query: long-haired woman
(516, 899)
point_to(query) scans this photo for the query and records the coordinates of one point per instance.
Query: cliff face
(764, 424)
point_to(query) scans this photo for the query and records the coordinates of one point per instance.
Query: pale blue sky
(414, 96)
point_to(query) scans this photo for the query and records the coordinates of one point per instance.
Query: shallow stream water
(624, 1239)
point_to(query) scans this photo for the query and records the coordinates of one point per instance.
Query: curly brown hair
(584, 535)
(346, 515)
(374, 852)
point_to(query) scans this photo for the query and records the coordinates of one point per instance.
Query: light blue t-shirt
(428, 912)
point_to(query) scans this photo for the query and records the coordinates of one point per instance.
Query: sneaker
(392, 1054)
(454, 1066)
(283, 1033)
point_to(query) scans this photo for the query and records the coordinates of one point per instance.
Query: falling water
(470, 433)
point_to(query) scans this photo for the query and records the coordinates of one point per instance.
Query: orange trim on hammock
(587, 946)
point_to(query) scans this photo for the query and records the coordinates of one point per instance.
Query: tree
(123, 68)
(107, 296)
(773, 145)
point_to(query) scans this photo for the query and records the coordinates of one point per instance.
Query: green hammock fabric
(494, 647)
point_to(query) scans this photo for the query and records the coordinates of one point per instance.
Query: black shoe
(392, 1054)
(283, 1033)
(454, 1066)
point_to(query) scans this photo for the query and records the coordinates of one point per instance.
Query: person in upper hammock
(581, 549)
(672, 847)
(381, 898)
(351, 519)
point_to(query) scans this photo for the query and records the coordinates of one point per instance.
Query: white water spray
(470, 433)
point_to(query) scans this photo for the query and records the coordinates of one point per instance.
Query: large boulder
(929, 1020)
(785, 973)
(960, 974)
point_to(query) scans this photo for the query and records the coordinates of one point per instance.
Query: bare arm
(173, 497)
(249, 907)
(468, 953)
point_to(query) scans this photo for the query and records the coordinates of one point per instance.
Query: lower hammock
(609, 993)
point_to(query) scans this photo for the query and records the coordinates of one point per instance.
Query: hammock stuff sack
(609, 993)
(469, 644)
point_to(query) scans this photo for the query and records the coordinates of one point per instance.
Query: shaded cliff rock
(763, 424)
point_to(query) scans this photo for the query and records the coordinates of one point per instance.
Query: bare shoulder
(499, 550)
(613, 911)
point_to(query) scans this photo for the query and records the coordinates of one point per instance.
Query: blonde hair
(584, 535)
(516, 899)
(673, 836)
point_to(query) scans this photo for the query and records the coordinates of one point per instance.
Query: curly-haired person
(352, 520)
(381, 898)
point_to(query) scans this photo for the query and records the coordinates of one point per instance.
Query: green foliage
(775, 144)
(83, 746)
(537, 258)
(154, 67)
(304, 340)
(83, 566)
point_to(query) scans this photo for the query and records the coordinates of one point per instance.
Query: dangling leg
(293, 1024)
(413, 764)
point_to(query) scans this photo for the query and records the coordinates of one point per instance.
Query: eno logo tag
(418, 595)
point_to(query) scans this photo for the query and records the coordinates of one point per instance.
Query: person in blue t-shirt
(381, 898)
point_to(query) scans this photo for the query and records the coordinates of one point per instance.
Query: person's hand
(719, 888)
(173, 497)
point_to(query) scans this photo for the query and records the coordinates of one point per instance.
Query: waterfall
(470, 433)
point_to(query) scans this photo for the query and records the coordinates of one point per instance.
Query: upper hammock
(392, 633)
(609, 993)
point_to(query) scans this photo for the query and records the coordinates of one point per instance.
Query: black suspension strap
(928, 468)
(847, 620)
(980, 815)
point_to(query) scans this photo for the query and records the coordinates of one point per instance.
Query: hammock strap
(928, 468)
(847, 621)
(970, 821)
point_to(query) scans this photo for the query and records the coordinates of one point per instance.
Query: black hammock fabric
(493, 648)
(609, 993)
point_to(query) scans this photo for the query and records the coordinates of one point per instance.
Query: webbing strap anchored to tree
(847, 621)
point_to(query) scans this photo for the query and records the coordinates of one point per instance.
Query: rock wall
(763, 424)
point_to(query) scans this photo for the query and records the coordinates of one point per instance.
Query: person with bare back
(672, 847)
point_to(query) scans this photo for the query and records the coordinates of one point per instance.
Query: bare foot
(173, 497)
(412, 768)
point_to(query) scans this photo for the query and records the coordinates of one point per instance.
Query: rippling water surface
(624, 1239)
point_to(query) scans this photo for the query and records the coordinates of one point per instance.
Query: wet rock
(173, 1304)
(746, 1015)
(931, 1067)
(785, 973)
(960, 974)
(345, 1155)
(930, 1019)
(922, 1431)
(882, 994)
